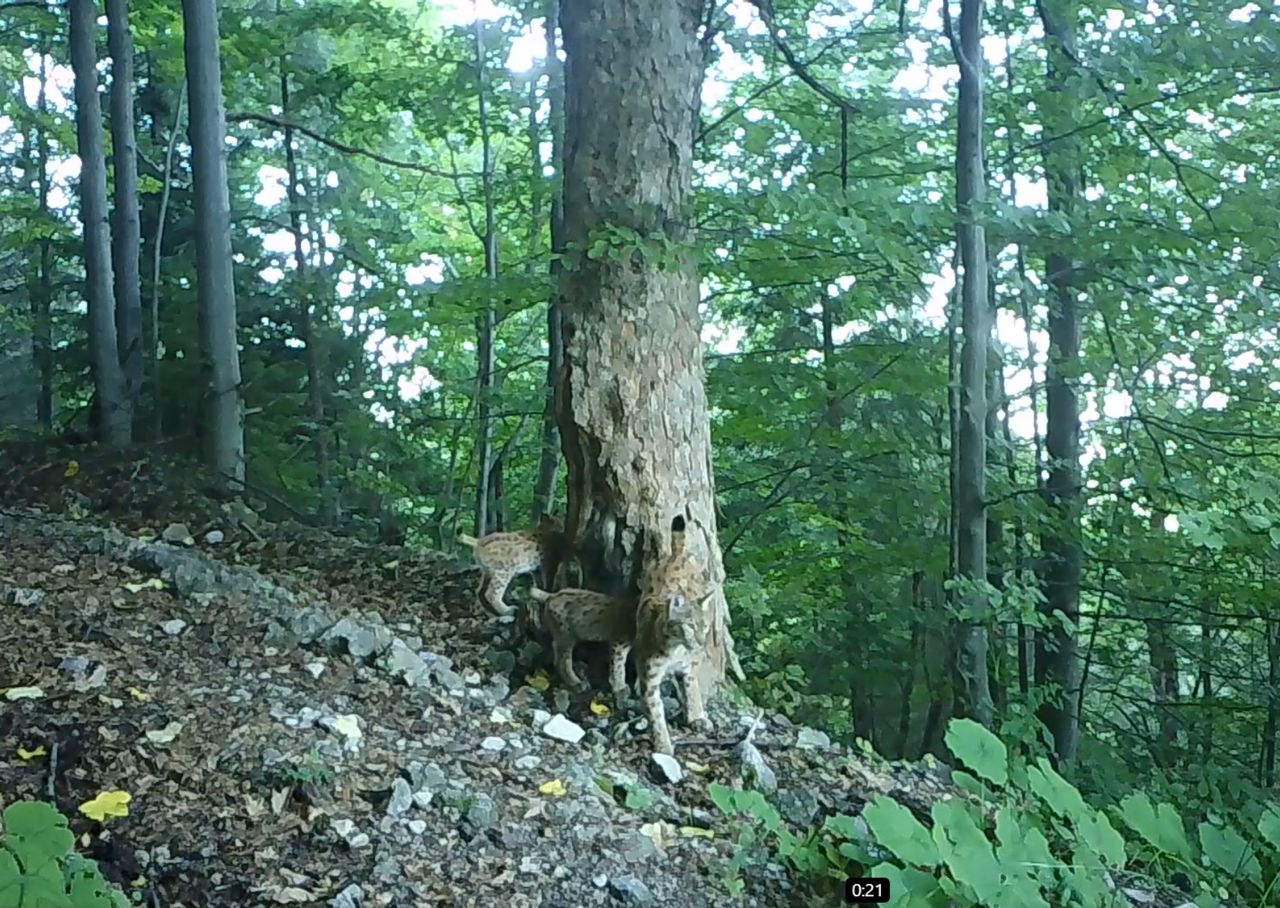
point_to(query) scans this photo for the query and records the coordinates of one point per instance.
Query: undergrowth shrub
(38, 868)
(1020, 836)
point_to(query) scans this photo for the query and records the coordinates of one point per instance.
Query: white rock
(25, 596)
(528, 761)
(667, 768)
(599, 880)
(562, 729)
(493, 743)
(213, 537)
(173, 627)
(417, 827)
(540, 718)
(315, 669)
(500, 716)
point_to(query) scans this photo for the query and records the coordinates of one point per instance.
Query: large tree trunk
(215, 285)
(114, 413)
(1056, 662)
(126, 231)
(630, 400)
(973, 689)
(549, 458)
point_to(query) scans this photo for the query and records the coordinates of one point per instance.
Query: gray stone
(493, 743)
(755, 771)
(429, 777)
(310, 623)
(637, 848)
(401, 798)
(482, 813)
(173, 627)
(177, 534)
(351, 897)
(502, 660)
(404, 663)
(798, 806)
(26, 596)
(361, 640)
(74, 665)
(417, 827)
(630, 891)
(666, 769)
(528, 761)
(562, 729)
(811, 737)
(214, 537)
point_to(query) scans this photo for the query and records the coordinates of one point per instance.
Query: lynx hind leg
(482, 588)
(694, 709)
(653, 674)
(497, 590)
(618, 669)
(562, 648)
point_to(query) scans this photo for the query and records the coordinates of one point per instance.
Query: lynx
(575, 615)
(504, 556)
(671, 630)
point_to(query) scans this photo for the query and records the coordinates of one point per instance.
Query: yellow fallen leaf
(554, 787)
(539, 681)
(697, 831)
(24, 754)
(23, 693)
(139, 883)
(140, 695)
(155, 583)
(107, 804)
(599, 709)
(73, 467)
(696, 767)
(391, 565)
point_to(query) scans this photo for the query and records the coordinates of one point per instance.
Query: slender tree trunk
(215, 285)
(549, 458)
(1056, 660)
(42, 285)
(997, 554)
(1273, 704)
(305, 293)
(1206, 692)
(485, 324)
(126, 232)
(973, 689)
(114, 413)
(631, 400)
(157, 387)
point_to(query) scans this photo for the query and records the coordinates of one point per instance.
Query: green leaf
(966, 851)
(979, 749)
(1226, 848)
(37, 835)
(1269, 826)
(1057, 793)
(1101, 838)
(897, 829)
(909, 887)
(1161, 827)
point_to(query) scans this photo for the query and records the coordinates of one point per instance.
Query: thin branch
(281, 123)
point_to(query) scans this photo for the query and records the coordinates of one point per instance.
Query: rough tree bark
(114, 413)
(631, 401)
(42, 277)
(549, 458)
(973, 689)
(126, 230)
(215, 287)
(1057, 666)
(485, 323)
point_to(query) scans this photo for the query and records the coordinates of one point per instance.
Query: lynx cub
(671, 629)
(574, 615)
(504, 556)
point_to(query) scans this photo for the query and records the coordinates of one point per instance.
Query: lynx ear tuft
(677, 524)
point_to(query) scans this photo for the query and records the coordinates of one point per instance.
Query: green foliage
(1035, 842)
(39, 869)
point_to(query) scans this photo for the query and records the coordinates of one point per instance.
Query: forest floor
(305, 718)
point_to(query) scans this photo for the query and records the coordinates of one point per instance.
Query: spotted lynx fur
(671, 631)
(504, 556)
(573, 616)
